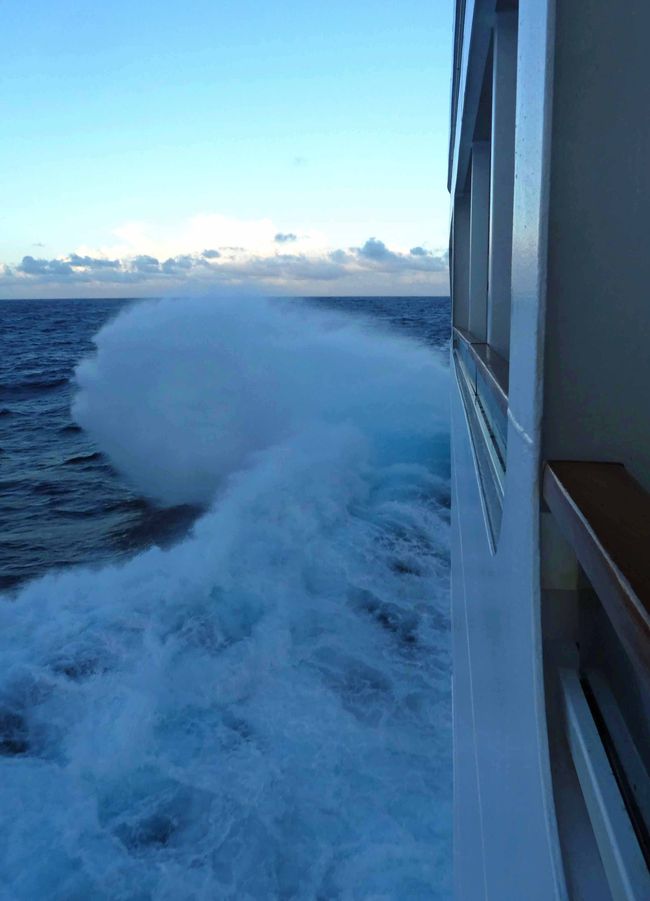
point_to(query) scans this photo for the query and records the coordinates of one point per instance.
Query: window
(482, 262)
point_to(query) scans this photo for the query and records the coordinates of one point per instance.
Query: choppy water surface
(61, 502)
(258, 707)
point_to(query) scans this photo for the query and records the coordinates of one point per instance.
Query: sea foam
(261, 711)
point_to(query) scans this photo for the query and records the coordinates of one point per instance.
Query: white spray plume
(181, 393)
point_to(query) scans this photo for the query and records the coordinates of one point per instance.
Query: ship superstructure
(549, 176)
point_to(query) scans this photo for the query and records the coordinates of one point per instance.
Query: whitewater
(261, 711)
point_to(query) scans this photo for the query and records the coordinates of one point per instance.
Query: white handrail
(623, 861)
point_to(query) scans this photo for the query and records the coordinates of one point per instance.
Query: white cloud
(205, 230)
(211, 250)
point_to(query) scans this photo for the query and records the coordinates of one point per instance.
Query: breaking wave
(263, 710)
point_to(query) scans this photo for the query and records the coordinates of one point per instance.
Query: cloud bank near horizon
(257, 256)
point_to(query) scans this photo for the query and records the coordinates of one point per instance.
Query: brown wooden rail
(490, 364)
(605, 514)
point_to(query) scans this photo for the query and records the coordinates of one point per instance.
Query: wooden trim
(490, 364)
(605, 515)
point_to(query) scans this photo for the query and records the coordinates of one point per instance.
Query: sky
(168, 148)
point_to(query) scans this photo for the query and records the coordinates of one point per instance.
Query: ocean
(224, 634)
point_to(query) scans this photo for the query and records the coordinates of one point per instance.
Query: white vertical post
(460, 261)
(479, 238)
(502, 164)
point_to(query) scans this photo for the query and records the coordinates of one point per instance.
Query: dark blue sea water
(224, 646)
(61, 502)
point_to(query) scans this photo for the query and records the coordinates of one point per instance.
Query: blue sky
(303, 144)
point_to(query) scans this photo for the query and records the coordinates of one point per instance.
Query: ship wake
(262, 710)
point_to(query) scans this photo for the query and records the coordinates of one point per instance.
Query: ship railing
(483, 378)
(604, 514)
